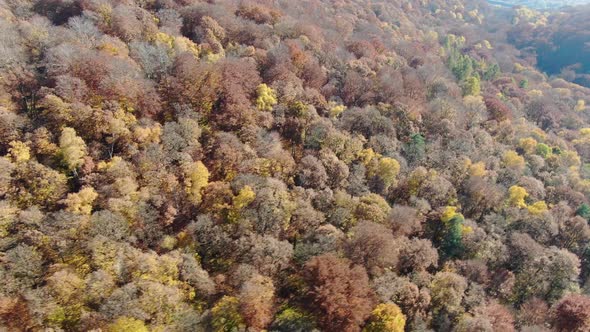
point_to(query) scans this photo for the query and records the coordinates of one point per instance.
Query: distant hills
(539, 4)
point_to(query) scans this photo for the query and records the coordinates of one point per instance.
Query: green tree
(491, 72)
(583, 211)
(416, 148)
(461, 65)
(543, 150)
(452, 237)
(471, 86)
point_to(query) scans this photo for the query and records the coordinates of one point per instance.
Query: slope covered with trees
(346, 165)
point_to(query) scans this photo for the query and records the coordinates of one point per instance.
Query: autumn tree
(72, 148)
(416, 255)
(405, 220)
(127, 324)
(38, 184)
(373, 246)
(266, 98)
(497, 109)
(414, 300)
(311, 173)
(244, 165)
(81, 202)
(498, 316)
(14, 313)
(256, 301)
(196, 178)
(339, 291)
(447, 291)
(225, 315)
(533, 312)
(549, 275)
(572, 313)
(386, 317)
(239, 80)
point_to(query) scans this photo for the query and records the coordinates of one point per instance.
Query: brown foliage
(14, 314)
(256, 301)
(572, 313)
(416, 255)
(405, 220)
(373, 246)
(339, 291)
(497, 109)
(258, 13)
(239, 79)
(499, 317)
(533, 312)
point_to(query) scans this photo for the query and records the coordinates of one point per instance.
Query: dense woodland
(314, 165)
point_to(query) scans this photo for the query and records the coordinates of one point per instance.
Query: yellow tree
(196, 177)
(513, 160)
(127, 324)
(19, 151)
(81, 202)
(478, 169)
(529, 145)
(580, 105)
(266, 98)
(387, 170)
(335, 109)
(367, 155)
(72, 148)
(244, 197)
(537, 208)
(516, 196)
(386, 317)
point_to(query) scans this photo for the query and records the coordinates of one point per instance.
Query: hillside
(559, 41)
(314, 165)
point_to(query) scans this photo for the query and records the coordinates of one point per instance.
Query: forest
(284, 166)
